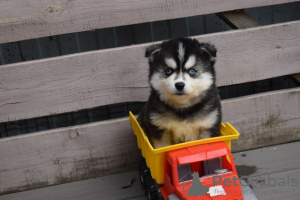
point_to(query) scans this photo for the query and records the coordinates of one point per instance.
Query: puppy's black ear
(152, 50)
(210, 50)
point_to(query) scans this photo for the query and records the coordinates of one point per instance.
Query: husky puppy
(184, 102)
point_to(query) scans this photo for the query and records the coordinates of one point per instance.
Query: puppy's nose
(179, 86)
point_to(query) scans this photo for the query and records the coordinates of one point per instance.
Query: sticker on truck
(216, 190)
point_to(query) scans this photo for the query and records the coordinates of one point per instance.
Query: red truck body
(200, 169)
(195, 157)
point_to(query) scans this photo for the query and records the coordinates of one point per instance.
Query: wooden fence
(87, 80)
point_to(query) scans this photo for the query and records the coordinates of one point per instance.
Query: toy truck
(201, 169)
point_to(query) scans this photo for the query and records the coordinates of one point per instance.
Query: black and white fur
(184, 103)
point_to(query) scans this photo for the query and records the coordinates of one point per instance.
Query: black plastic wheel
(144, 172)
(152, 191)
(148, 183)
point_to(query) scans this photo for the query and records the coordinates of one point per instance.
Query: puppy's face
(181, 70)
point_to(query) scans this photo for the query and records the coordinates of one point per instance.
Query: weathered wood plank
(281, 185)
(267, 160)
(267, 119)
(91, 79)
(139, 198)
(97, 149)
(106, 187)
(237, 19)
(45, 18)
(66, 155)
(271, 172)
(247, 192)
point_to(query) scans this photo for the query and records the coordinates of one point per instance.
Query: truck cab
(204, 171)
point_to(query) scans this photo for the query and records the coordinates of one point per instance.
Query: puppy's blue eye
(192, 72)
(169, 71)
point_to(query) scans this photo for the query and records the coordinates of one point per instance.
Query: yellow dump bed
(155, 157)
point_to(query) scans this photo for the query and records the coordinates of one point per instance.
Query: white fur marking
(180, 52)
(183, 129)
(190, 62)
(171, 63)
(156, 50)
(192, 89)
(200, 84)
(179, 78)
